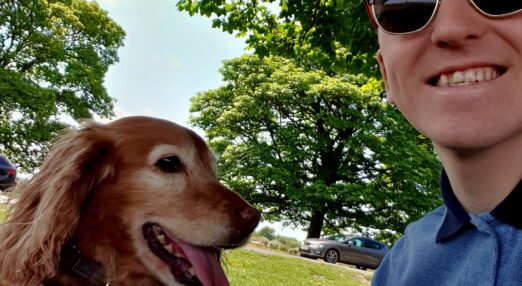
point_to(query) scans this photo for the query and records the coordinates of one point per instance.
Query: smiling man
(454, 69)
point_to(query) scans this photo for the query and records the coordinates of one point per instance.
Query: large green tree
(53, 58)
(332, 35)
(316, 151)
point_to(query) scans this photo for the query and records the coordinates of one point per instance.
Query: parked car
(7, 173)
(360, 251)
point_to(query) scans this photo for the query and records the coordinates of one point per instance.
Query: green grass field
(3, 212)
(250, 268)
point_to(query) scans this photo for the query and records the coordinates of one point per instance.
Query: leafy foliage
(311, 140)
(315, 150)
(332, 35)
(267, 232)
(53, 57)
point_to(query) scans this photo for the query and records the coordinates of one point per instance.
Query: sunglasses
(408, 16)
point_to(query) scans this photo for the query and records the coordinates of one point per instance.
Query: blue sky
(168, 57)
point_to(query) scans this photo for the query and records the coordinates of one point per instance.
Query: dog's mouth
(190, 265)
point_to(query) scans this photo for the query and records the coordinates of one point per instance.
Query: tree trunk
(316, 224)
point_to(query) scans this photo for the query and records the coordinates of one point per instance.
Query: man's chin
(463, 144)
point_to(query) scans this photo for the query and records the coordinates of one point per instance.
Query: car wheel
(331, 256)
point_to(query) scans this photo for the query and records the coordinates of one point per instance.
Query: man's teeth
(467, 77)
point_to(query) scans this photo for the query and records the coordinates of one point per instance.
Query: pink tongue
(208, 269)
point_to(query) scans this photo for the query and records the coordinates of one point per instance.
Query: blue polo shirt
(448, 246)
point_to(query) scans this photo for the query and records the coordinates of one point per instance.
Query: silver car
(360, 251)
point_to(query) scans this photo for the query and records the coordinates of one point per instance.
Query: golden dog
(132, 202)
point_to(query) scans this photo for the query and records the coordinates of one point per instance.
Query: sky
(168, 58)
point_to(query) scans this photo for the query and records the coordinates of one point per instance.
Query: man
(454, 69)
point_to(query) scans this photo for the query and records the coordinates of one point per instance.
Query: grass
(3, 212)
(250, 268)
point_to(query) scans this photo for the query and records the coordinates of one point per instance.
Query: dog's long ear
(50, 203)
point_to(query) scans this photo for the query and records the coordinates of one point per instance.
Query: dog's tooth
(192, 271)
(157, 230)
(169, 248)
(162, 239)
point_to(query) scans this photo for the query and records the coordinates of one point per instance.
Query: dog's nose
(249, 214)
(246, 221)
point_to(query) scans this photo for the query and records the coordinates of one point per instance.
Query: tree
(332, 35)
(309, 149)
(53, 58)
(267, 232)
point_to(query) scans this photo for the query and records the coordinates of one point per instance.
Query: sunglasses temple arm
(368, 9)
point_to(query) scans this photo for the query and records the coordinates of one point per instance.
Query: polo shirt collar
(456, 218)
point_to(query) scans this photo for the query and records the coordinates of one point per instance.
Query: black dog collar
(72, 261)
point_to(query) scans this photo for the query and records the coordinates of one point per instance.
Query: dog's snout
(243, 217)
(246, 220)
(249, 214)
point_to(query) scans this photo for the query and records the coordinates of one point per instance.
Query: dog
(132, 202)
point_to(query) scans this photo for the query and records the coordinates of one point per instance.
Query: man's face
(459, 80)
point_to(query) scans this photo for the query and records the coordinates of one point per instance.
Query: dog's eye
(169, 164)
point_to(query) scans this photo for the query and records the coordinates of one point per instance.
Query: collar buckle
(72, 261)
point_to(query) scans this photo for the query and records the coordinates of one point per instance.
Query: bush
(267, 232)
(289, 242)
(261, 240)
(267, 238)
(275, 244)
(293, 251)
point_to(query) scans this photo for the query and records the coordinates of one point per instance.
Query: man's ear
(382, 67)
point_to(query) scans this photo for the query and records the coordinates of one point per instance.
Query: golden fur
(99, 185)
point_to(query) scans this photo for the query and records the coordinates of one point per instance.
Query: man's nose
(456, 23)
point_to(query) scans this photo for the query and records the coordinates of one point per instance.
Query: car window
(373, 244)
(357, 242)
(5, 162)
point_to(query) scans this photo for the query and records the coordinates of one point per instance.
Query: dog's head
(141, 197)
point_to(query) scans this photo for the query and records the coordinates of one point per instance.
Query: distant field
(249, 268)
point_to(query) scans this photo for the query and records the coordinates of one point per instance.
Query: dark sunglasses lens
(498, 7)
(403, 16)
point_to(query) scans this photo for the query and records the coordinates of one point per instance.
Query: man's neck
(481, 179)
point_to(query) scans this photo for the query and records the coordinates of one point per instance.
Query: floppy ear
(50, 203)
